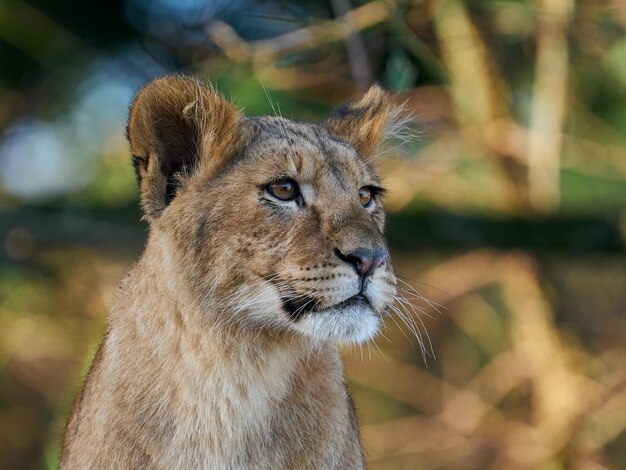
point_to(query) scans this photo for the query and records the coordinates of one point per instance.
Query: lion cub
(265, 249)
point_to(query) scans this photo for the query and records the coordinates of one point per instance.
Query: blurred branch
(357, 54)
(441, 158)
(607, 422)
(478, 90)
(402, 381)
(417, 47)
(512, 139)
(388, 442)
(325, 32)
(561, 393)
(478, 94)
(549, 101)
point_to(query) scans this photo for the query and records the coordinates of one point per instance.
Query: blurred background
(507, 210)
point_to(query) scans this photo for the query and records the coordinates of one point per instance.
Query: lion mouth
(358, 300)
(299, 306)
(296, 308)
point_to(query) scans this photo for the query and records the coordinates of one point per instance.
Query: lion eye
(283, 189)
(365, 194)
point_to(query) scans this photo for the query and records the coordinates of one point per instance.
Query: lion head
(266, 224)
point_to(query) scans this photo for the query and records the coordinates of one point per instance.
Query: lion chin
(349, 324)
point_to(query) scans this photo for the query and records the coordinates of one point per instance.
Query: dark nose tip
(364, 260)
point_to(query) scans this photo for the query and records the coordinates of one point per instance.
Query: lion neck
(172, 340)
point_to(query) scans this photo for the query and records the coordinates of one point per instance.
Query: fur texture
(221, 345)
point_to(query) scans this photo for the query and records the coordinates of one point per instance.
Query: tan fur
(363, 124)
(203, 364)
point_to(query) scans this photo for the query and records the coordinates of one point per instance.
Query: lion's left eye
(366, 196)
(284, 189)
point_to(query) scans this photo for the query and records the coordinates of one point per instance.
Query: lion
(265, 250)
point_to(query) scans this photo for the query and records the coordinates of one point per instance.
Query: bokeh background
(507, 209)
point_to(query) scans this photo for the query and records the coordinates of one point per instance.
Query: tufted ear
(177, 125)
(365, 123)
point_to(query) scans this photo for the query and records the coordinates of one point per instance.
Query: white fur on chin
(353, 324)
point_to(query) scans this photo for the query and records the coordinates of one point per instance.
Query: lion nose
(364, 260)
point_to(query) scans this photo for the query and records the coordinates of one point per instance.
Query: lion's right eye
(283, 189)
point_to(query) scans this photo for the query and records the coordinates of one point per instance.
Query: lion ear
(177, 126)
(364, 124)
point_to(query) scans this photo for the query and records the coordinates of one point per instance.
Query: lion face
(299, 227)
(283, 228)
